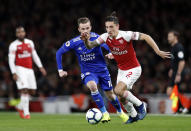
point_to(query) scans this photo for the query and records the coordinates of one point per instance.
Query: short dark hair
(112, 18)
(83, 20)
(176, 33)
(18, 27)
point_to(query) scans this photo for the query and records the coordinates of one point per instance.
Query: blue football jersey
(90, 60)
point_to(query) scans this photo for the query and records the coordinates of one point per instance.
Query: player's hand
(85, 36)
(109, 56)
(43, 71)
(170, 73)
(62, 73)
(177, 78)
(169, 91)
(15, 77)
(164, 54)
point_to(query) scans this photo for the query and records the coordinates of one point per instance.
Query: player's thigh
(105, 82)
(129, 77)
(22, 78)
(91, 81)
(31, 80)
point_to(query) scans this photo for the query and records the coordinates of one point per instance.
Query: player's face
(112, 28)
(20, 33)
(171, 38)
(85, 28)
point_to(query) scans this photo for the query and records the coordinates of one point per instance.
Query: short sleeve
(102, 38)
(180, 53)
(130, 35)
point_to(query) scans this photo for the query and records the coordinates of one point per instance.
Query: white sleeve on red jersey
(102, 38)
(130, 35)
(11, 56)
(35, 56)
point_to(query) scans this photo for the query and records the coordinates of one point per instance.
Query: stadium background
(50, 23)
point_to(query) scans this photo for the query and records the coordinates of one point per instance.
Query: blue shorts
(101, 78)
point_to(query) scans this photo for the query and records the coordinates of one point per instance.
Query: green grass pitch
(77, 122)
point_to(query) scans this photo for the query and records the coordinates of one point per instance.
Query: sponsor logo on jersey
(119, 52)
(68, 43)
(24, 55)
(87, 57)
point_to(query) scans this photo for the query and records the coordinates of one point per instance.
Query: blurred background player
(120, 44)
(177, 67)
(93, 68)
(21, 53)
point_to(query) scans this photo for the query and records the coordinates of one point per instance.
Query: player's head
(84, 25)
(20, 33)
(173, 37)
(112, 25)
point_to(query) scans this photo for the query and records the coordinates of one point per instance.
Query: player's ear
(117, 26)
(78, 28)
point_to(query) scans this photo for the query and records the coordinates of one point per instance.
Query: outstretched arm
(152, 43)
(89, 44)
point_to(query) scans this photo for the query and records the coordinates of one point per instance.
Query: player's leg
(106, 85)
(22, 86)
(125, 81)
(32, 89)
(91, 82)
(133, 115)
(25, 102)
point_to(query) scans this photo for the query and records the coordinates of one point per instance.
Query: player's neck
(22, 40)
(174, 43)
(116, 34)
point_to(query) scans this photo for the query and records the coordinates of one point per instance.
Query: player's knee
(92, 86)
(24, 91)
(119, 91)
(32, 92)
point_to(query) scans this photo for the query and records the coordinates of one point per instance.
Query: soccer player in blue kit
(93, 69)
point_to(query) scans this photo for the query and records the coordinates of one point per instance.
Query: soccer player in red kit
(120, 44)
(21, 54)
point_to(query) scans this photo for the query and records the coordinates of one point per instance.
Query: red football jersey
(122, 48)
(23, 52)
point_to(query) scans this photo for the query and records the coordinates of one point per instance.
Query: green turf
(77, 122)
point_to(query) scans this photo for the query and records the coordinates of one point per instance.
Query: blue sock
(99, 101)
(116, 104)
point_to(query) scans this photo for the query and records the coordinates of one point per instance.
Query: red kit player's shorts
(129, 77)
(26, 78)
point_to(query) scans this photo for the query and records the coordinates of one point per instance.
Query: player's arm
(181, 64)
(109, 55)
(37, 60)
(91, 44)
(63, 49)
(152, 43)
(11, 56)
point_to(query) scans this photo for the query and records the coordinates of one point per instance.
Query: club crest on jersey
(79, 48)
(68, 43)
(121, 41)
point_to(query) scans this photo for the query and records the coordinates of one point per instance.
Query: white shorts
(26, 78)
(129, 77)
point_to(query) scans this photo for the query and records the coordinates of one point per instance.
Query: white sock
(131, 98)
(130, 109)
(25, 103)
(20, 106)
